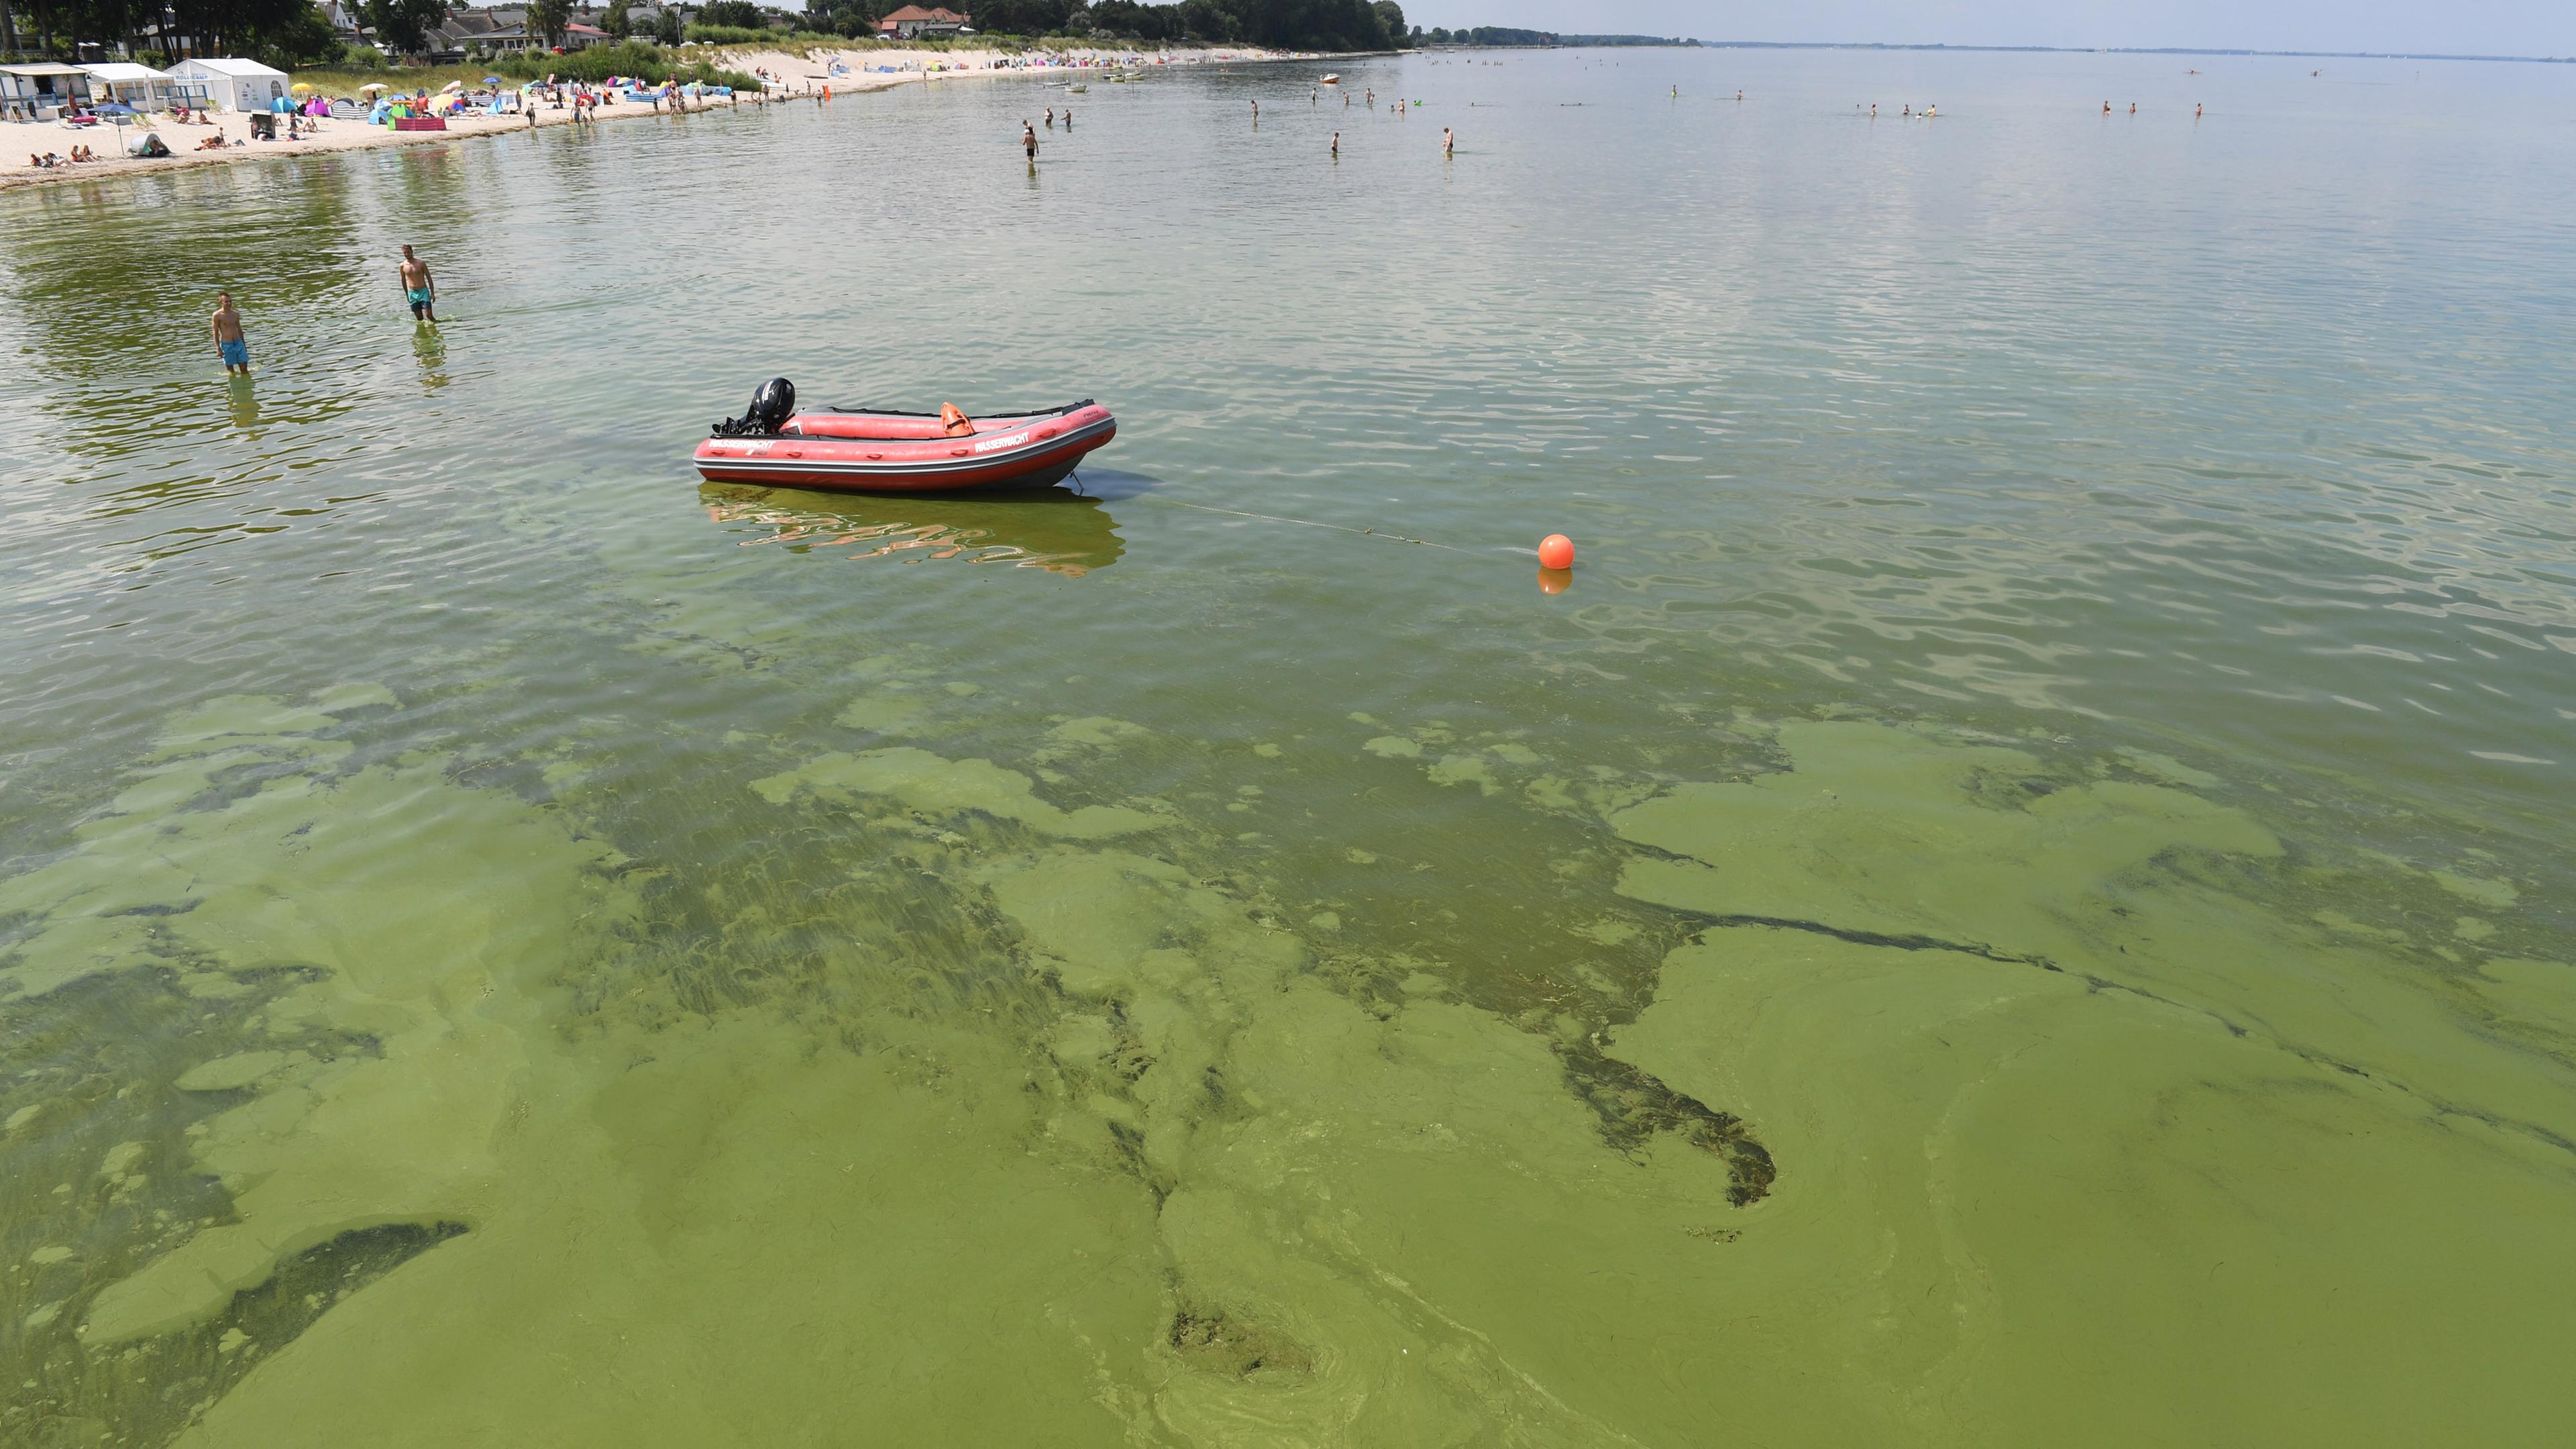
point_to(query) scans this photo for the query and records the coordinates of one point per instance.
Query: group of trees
(1484, 35)
(1287, 24)
(290, 30)
(293, 31)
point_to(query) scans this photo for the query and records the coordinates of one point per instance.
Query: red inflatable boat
(865, 451)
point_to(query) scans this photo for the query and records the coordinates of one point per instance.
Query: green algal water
(2018, 899)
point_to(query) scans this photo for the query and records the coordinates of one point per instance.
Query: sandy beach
(795, 77)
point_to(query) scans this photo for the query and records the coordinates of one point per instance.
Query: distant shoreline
(2115, 50)
(333, 136)
(1687, 43)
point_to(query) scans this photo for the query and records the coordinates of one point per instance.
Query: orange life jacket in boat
(958, 424)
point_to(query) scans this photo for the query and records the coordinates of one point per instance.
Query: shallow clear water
(2019, 896)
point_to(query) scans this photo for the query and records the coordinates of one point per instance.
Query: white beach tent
(139, 86)
(233, 85)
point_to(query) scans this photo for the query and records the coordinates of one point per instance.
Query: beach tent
(139, 86)
(233, 85)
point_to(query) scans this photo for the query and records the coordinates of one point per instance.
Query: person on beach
(418, 289)
(230, 344)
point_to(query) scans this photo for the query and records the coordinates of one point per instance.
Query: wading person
(418, 289)
(230, 344)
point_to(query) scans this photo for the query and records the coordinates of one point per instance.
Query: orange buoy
(1556, 551)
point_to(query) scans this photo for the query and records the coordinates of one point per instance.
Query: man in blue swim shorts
(230, 344)
(418, 289)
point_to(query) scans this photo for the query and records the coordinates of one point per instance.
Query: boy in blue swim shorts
(230, 344)
(418, 289)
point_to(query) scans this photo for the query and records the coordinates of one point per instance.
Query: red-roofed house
(912, 20)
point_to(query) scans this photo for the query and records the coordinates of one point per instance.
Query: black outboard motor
(769, 408)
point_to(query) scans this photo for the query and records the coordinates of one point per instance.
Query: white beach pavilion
(232, 85)
(139, 86)
(39, 91)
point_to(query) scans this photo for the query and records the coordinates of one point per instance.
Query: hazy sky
(2473, 27)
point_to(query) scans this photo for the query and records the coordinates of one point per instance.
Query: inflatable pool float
(874, 450)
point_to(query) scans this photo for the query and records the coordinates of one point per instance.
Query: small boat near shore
(871, 450)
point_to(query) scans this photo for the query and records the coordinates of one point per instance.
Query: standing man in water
(1448, 142)
(230, 344)
(418, 289)
(1029, 140)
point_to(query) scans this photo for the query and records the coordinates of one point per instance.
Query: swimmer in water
(2106, 108)
(2195, 110)
(1050, 118)
(1337, 145)
(1448, 142)
(1256, 110)
(2133, 108)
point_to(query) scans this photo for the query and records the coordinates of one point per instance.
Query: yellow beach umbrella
(300, 87)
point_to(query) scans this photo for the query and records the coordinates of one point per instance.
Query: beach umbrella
(372, 87)
(454, 85)
(491, 80)
(115, 111)
(299, 86)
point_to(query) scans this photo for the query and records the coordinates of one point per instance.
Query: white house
(139, 86)
(232, 85)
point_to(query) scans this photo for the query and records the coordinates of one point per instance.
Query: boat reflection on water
(1047, 529)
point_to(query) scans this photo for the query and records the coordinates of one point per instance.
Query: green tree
(1391, 18)
(549, 17)
(741, 14)
(667, 27)
(404, 24)
(614, 21)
